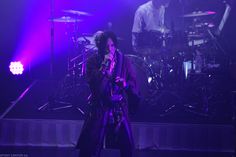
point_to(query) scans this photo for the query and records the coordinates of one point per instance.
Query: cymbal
(199, 13)
(65, 19)
(76, 12)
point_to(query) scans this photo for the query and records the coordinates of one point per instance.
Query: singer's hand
(109, 63)
(108, 56)
(105, 66)
(120, 82)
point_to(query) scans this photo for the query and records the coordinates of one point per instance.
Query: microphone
(107, 63)
(106, 66)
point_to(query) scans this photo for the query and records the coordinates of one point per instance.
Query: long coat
(95, 125)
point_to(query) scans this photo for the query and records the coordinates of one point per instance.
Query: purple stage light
(16, 68)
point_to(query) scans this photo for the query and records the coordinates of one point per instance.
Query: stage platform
(41, 133)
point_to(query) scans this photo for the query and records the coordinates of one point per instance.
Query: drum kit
(82, 43)
(172, 67)
(73, 91)
(182, 49)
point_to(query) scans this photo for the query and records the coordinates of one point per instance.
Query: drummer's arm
(137, 28)
(134, 41)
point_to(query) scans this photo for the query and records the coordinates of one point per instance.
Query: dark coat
(95, 125)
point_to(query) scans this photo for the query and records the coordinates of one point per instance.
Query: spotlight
(16, 68)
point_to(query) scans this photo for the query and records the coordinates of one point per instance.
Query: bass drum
(144, 74)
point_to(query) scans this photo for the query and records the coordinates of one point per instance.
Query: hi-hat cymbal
(199, 13)
(65, 19)
(76, 12)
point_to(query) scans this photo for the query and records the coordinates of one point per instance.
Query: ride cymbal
(199, 13)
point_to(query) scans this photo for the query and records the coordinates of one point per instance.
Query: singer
(115, 94)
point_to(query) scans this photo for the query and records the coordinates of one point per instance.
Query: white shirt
(149, 18)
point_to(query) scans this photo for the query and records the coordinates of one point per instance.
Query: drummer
(151, 24)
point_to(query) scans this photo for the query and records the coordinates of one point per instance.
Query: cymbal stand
(52, 31)
(83, 49)
(217, 45)
(193, 47)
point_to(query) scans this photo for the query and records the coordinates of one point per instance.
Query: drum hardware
(77, 63)
(159, 83)
(153, 40)
(72, 35)
(146, 77)
(52, 102)
(74, 82)
(69, 91)
(74, 89)
(215, 42)
(202, 94)
(197, 38)
(204, 25)
(158, 55)
(81, 43)
(198, 103)
(86, 47)
(87, 42)
(61, 100)
(197, 68)
(197, 42)
(83, 46)
(164, 63)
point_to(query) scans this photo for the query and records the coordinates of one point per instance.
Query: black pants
(120, 139)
